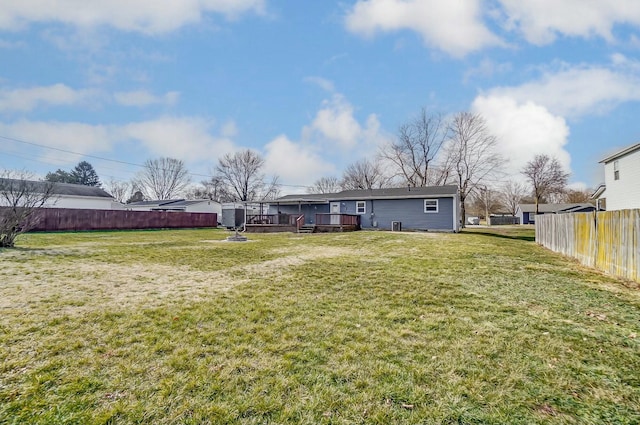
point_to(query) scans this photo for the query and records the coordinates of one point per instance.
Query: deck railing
(337, 220)
(272, 219)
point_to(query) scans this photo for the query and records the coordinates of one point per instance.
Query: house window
(616, 171)
(361, 207)
(430, 205)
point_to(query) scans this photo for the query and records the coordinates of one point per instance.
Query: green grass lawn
(180, 327)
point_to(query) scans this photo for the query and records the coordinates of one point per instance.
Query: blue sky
(313, 85)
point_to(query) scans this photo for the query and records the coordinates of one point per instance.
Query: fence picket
(608, 241)
(52, 219)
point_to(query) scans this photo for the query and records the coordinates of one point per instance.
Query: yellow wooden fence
(609, 241)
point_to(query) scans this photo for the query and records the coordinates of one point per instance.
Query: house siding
(205, 207)
(410, 212)
(625, 192)
(79, 202)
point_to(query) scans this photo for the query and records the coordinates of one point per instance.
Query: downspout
(456, 218)
(372, 215)
(244, 225)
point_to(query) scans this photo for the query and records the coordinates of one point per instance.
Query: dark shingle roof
(554, 208)
(168, 203)
(156, 203)
(63, 188)
(364, 194)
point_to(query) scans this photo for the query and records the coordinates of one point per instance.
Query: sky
(312, 86)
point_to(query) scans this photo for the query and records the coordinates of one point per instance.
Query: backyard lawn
(182, 327)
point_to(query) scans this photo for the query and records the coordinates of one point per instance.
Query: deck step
(307, 228)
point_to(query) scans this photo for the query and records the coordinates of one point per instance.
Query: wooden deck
(323, 223)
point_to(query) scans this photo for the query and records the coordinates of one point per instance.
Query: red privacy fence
(73, 219)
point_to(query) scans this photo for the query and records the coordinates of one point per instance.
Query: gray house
(434, 208)
(527, 212)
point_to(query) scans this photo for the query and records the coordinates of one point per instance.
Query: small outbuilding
(526, 213)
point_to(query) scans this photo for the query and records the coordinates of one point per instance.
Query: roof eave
(621, 153)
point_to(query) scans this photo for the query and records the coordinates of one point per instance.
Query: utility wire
(107, 159)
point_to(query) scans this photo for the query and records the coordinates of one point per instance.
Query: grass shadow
(523, 235)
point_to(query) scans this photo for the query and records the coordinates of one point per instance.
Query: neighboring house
(621, 189)
(76, 196)
(599, 197)
(409, 208)
(180, 205)
(526, 213)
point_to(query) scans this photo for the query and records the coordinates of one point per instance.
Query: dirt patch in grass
(91, 284)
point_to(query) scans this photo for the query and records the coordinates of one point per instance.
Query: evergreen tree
(60, 176)
(84, 174)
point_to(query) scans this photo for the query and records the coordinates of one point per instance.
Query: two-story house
(621, 189)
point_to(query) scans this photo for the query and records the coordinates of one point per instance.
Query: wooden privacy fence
(609, 241)
(51, 219)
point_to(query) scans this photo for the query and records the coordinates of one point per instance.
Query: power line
(108, 159)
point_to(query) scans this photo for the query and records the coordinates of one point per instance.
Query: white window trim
(437, 205)
(364, 207)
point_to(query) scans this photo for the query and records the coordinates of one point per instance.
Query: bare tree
(241, 173)
(213, 189)
(364, 174)
(485, 201)
(511, 195)
(121, 191)
(20, 201)
(546, 177)
(471, 151)
(162, 178)
(326, 185)
(415, 153)
(577, 196)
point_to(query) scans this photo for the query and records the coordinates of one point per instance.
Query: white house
(621, 189)
(72, 196)
(77, 196)
(182, 205)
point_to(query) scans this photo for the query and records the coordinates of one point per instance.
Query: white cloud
(336, 125)
(335, 121)
(145, 16)
(459, 27)
(141, 98)
(323, 83)
(191, 139)
(294, 162)
(70, 136)
(229, 129)
(325, 142)
(453, 26)
(28, 99)
(577, 91)
(4, 44)
(188, 138)
(25, 100)
(541, 21)
(524, 130)
(487, 68)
